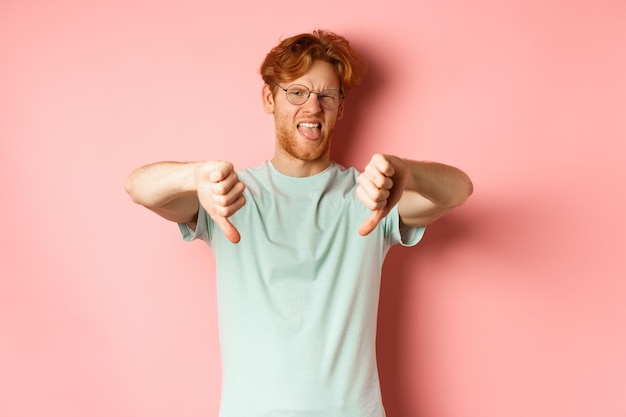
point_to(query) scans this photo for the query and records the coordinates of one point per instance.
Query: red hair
(294, 56)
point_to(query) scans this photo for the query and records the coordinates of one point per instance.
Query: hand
(221, 194)
(381, 185)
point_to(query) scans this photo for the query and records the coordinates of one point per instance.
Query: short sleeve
(400, 234)
(202, 227)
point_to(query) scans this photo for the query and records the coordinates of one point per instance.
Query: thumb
(227, 228)
(371, 222)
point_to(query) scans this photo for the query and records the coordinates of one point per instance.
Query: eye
(298, 92)
(331, 94)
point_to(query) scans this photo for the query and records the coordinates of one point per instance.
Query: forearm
(445, 186)
(168, 188)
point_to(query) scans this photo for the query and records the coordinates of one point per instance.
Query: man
(299, 241)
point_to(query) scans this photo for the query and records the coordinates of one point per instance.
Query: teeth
(310, 125)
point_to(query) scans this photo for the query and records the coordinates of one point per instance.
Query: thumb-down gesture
(221, 194)
(380, 187)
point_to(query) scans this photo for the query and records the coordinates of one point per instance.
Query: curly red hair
(293, 57)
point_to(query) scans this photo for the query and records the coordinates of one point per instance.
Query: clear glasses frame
(298, 94)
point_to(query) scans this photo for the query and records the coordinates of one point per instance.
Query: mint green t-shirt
(298, 296)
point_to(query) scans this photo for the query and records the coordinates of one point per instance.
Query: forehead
(321, 75)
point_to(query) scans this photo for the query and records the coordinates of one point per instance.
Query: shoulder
(258, 171)
(342, 175)
(256, 178)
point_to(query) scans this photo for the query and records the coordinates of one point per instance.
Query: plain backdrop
(512, 306)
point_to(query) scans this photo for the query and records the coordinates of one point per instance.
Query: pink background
(514, 305)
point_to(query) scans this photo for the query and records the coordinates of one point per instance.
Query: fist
(221, 194)
(380, 187)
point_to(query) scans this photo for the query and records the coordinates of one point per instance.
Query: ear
(268, 99)
(340, 110)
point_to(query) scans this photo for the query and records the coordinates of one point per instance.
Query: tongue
(312, 133)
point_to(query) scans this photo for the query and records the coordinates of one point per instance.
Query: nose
(312, 105)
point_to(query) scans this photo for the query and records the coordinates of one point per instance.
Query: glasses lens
(329, 99)
(297, 94)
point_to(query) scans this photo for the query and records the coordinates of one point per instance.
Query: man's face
(303, 131)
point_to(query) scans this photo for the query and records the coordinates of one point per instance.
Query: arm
(174, 190)
(167, 188)
(432, 190)
(424, 191)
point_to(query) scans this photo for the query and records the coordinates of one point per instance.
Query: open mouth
(310, 130)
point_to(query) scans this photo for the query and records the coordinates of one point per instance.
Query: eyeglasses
(298, 94)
